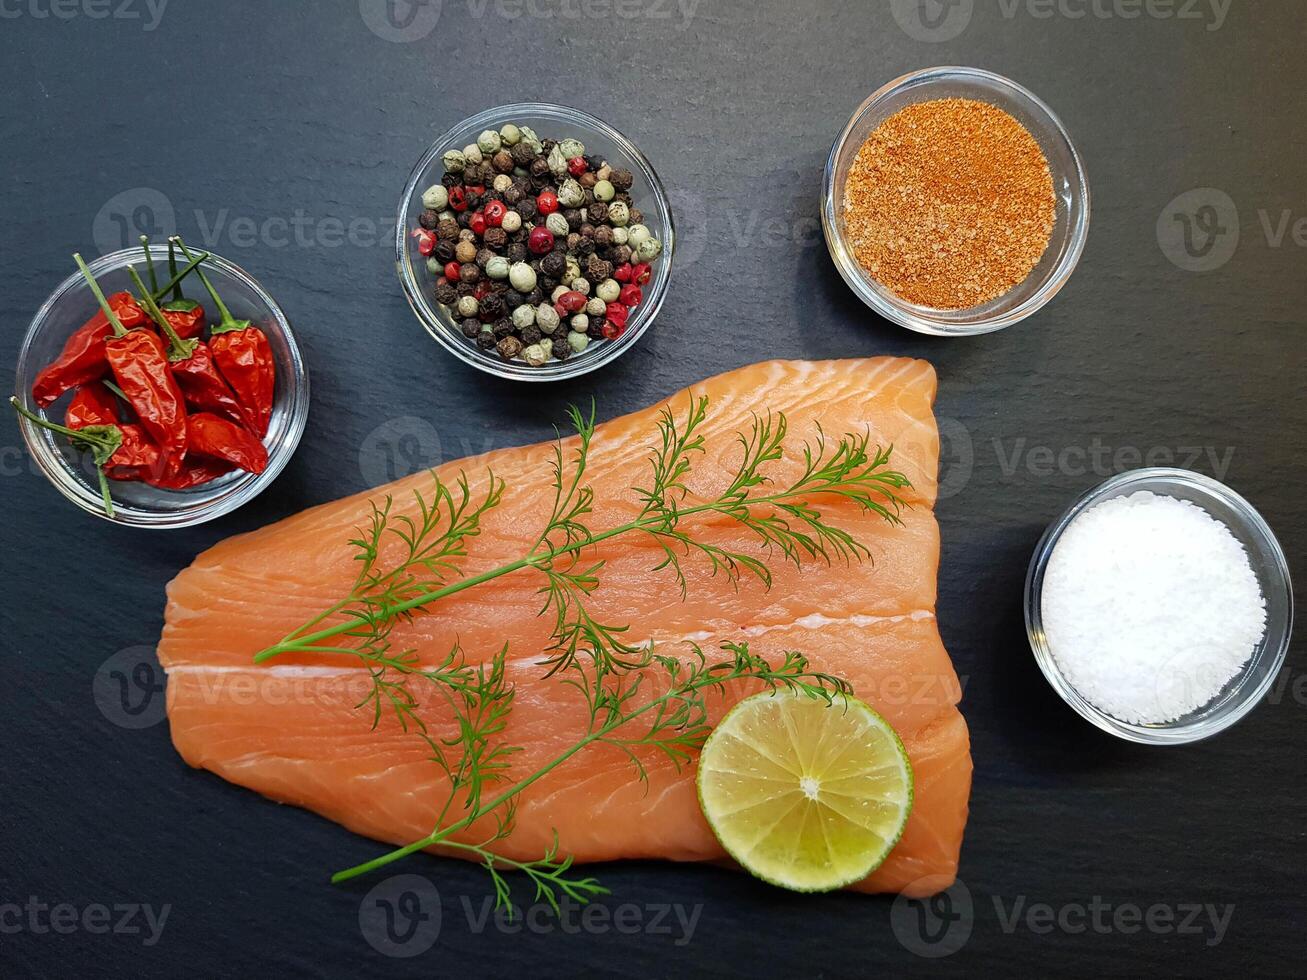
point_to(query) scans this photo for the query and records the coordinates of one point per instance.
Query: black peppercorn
(596, 330)
(621, 254)
(597, 270)
(428, 219)
(554, 264)
(621, 180)
(513, 195)
(530, 335)
(495, 238)
(574, 218)
(547, 145)
(484, 255)
(527, 209)
(464, 219)
(474, 201)
(465, 288)
(516, 252)
(502, 162)
(492, 307)
(471, 328)
(538, 184)
(451, 180)
(603, 236)
(469, 272)
(547, 284)
(637, 217)
(597, 212)
(539, 167)
(444, 251)
(587, 180)
(447, 230)
(535, 297)
(522, 154)
(486, 340)
(502, 328)
(509, 348)
(446, 294)
(513, 299)
(585, 246)
(589, 196)
(573, 240)
(562, 350)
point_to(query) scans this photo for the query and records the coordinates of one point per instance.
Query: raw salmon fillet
(291, 728)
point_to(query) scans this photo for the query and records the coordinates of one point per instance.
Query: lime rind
(804, 795)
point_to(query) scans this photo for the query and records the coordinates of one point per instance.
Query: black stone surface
(235, 113)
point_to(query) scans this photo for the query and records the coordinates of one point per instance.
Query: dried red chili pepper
(185, 315)
(193, 368)
(111, 446)
(92, 404)
(140, 366)
(243, 355)
(82, 358)
(195, 473)
(209, 435)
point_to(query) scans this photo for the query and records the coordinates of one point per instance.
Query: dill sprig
(637, 697)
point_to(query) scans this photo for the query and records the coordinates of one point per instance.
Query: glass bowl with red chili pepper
(160, 386)
(535, 242)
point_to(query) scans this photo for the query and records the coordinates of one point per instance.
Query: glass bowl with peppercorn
(954, 202)
(534, 242)
(184, 407)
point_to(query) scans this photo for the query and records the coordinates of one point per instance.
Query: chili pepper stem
(82, 436)
(149, 262)
(118, 328)
(178, 349)
(104, 491)
(45, 423)
(172, 270)
(186, 271)
(229, 322)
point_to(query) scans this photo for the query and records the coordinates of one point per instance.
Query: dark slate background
(228, 114)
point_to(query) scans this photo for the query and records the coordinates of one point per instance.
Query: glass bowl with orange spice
(954, 202)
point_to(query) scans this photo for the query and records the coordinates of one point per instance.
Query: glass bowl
(137, 504)
(549, 122)
(1071, 225)
(1242, 693)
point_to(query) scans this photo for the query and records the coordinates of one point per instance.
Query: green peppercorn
(497, 267)
(649, 249)
(636, 234)
(580, 323)
(510, 134)
(604, 191)
(557, 224)
(609, 290)
(468, 306)
(435, 197)
(573, 270)
(472, 154)
(618, 215)
(571, 148)
(523, 317)
(530, 138)
(522, 276)
(489, 142)
(621, 236)
(454, 161)
(557, 162)
(570, 194)
(577, 341)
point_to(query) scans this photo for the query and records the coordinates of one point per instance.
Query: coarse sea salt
(1150, 607)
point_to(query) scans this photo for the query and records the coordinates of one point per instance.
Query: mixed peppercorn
(152, 400)
(537, 247)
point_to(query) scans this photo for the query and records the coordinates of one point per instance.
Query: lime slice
(805, 795)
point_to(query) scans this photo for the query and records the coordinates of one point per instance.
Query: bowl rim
(236, 494)
(923, 319)
(578, 365)
(1171, 733)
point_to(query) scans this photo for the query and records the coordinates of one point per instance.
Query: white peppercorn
(604, 172)
(581, 285)
(596, 306)
(436, 197)
(524, 316)
(522, 276)
(547, 318)
(472, 154)
(468, 306)
(512, 221)
(580, 323)
(502, 182)
(620, 236)
(547, 346)
(490, 142)
(609, 290)
(535, 355)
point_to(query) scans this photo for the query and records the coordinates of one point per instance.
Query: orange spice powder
(949, 203)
